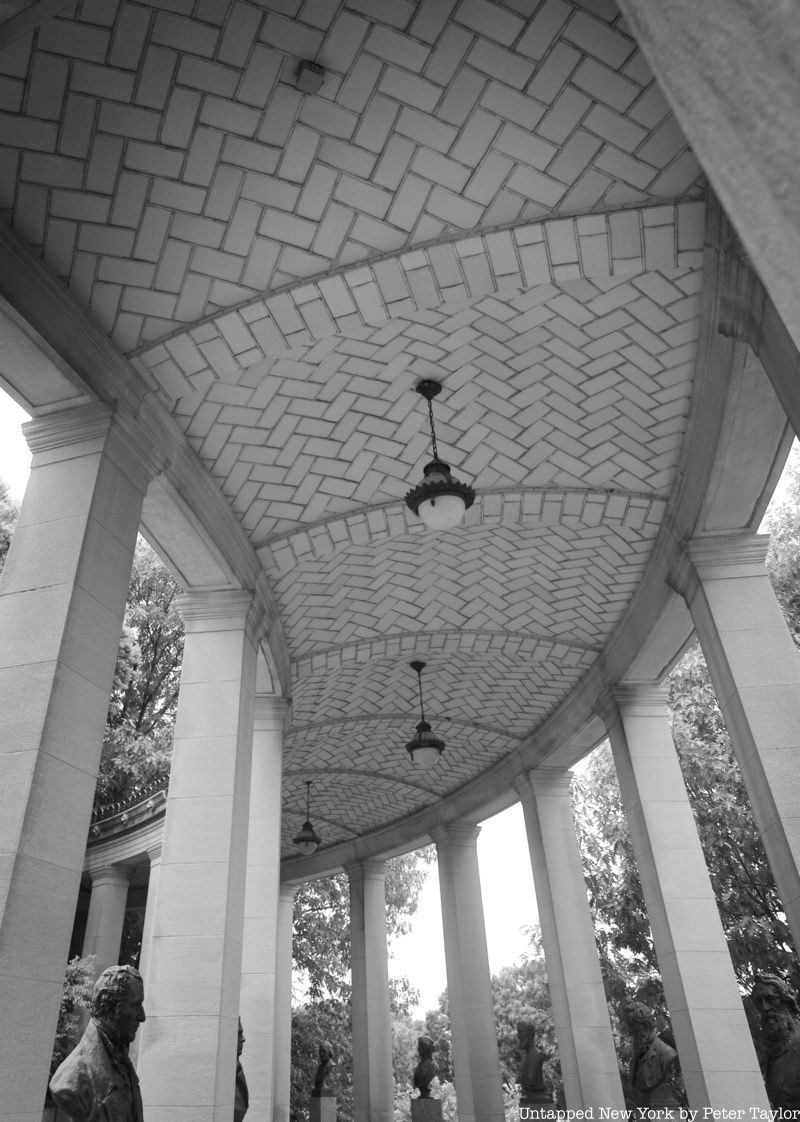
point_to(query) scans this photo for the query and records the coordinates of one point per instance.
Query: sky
(509, 902)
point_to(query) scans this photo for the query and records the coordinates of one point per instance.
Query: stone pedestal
(426, 1110)
(322, 1109)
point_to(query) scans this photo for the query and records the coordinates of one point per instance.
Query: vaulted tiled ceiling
(495, 195)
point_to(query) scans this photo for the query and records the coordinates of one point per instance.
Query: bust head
(526, 1034)
(777, 1007)
(641, 1018)
(425, 1047)
(117, 1002)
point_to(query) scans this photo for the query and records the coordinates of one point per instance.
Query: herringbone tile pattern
(161, 159)
(486, 690)
(554, 581)
(579, 385)
(364, 777)
(491, 193)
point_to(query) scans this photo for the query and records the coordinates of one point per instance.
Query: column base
(322, 1109)
(426, 1110)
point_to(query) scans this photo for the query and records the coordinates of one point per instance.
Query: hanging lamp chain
(419, 672)
(433, 432)
(308, 799)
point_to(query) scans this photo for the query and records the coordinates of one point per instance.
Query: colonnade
(218, 924)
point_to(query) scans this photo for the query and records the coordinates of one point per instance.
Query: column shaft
(63, 598)
(154, 854)
(727, 72)
(589, 1067)
(476, 1062)
(282, 1040)
(755, 668)
(187, 1053)
(257, 1002)
(718, 1061)
(106, 916)
(373, 1082)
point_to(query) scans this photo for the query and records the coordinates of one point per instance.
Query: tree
(321, 944)
(437, 1027)
(137, 746)
(783, 559)
(321, 954)
(76, 999)
(9, 513)
(750, 908)
(324, 1020)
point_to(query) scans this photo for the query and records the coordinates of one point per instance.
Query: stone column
(187, 1052)
(586, 1049)
(373, 1083)
(718, 1061)
(476, 1063)
(106, 915)
(728, 73)
(62, 600)
(282, 1038)
(154, 855)
(755, 668)
(257, 1000)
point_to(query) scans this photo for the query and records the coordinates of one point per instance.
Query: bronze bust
(531, 1078)
(427, 1069)
(97, 1080)
(325, 1077)
(777, 1007)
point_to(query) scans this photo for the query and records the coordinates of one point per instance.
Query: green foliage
(405, 1033)
(137, 747)
(321, 953)
(747, 897)
(321, 944)
(311, 1024)
(147, 677)
(75, 1001)
(750, 908)
(520, 993)
(437, 1027)
(783, 560)
(9, 513)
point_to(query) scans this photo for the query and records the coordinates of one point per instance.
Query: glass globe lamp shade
(425, 749)
(440, 500)
(307, 840)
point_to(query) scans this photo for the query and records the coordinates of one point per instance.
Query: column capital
(111, 874)
(371, 868)
(270, 711)
(219, 610)
(550, 780)
(715, 556)
(82, 424)
(456, 833)
(641, 699)
(154, 852)
(90, 426)
(287, 892)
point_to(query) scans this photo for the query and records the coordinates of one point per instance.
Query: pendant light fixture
(308, 839)
(439, 500)
(425, 749)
